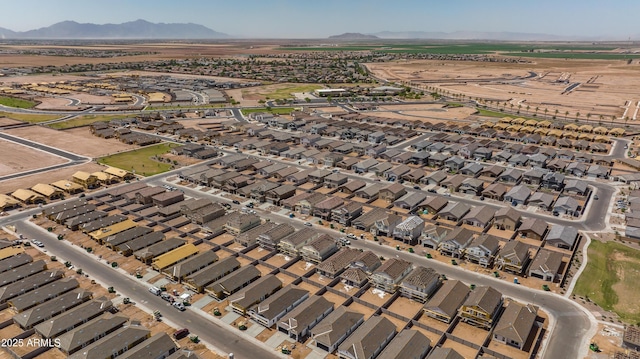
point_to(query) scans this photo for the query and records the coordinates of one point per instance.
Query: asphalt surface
(219, 335)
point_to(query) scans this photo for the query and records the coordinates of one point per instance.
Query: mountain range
(353, 36)
(139, 29)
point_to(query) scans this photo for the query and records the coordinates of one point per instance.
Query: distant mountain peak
(353, 36)
(138, 29)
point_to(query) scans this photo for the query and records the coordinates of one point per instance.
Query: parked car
(416, 187)
(179, 306)
(166, 296)
(181, 333)
(155, 290)
(235, 201)
(308, 224)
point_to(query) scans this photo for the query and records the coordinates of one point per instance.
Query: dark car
(416, 187)
(235, 201)
(181, 333)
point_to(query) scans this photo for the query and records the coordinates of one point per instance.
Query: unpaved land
(78, 140)
(47, 177)
(18, 158)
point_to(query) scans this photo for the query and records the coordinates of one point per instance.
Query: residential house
(270, 239)
(534, 176)
(479, 216)
(366, 221)
(495, 191)
(518, 195)
(319, 249)
(433, 204)
(278, 194)
(562, 236)
(325, 208)
(577, 169)
(534, 228)
(516, 325)
(597, 171)
(541, 200)
(546, 265)
(335, 328)
(202, 278)
(567, 205)
(291, 244)
(483, 250)
(254, 293)
(445, 303)
(513, 257)
(434, 178)
(301, 320)
(308, 204)
(481, 307)
(392, 192)
(409, 230)
(233, 282)
(352, 186)
(454, 211)
(408, 343)
(511, 175)
(365, 165)
(389, 275)
(269, 311)
(433, 235)
(506, 219)
(411, 200)
(337, 263)
(368, 340)
(385, 225)
(241, 223)
(453, 183)
(346, 213)
(446, 353)
(472, 169)
(420, 284)
(575, 186)
(455, 242)
(553, 180)
(335, 180)
(472, 186)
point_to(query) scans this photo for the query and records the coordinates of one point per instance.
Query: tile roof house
(546, 265)
(481, 307)
(518, 195)
(495, 191)
(515, 325)
(409, 230)
(325, 208)
(566, 205)
(411, 200)
(291, 244)
(233, 282)
(337, 263)
(407, 344)
(83, 335)
(541, 200)
(562, 236)
(366, 221)
(335, 328)
(433, 235)
(301, 320)
(270, 239)
(250, 237)
(575, 186)
(483, 250)
(254, 293)
(389, 275)
(533, 228)
(420, 284)
(270, 310)
(479, 216)
(433, 204)
(456, 241)
(506, 218)
(454, 211)
(513, 257)
(368, 340)
(392, 192)
(202, 278)
(444, 353)
(385, 225)
(445, 303)
(318, 249)
(346, 213)
(511, 175)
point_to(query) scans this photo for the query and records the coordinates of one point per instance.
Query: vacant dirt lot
(78, 140)
(20, 158)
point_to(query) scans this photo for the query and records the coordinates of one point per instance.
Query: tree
(566, 114)
(555, 114)
(588, 116)
(528, 107)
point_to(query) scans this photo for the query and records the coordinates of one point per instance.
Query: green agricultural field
(611, 279)
(277, 110)
(16, 102)
(84, 121)
(285, 93)
(27, 117)
(140, 161)
(574, 55)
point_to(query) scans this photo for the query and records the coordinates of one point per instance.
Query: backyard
(610, 279)
(141, 161)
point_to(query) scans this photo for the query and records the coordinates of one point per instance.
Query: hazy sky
(322, 18)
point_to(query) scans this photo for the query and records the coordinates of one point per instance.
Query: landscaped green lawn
(140, 161)
(611, 279)
(84, 121)
(277, 110)
(27, 117)
(16, 102)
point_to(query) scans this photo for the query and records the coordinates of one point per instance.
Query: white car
(179, 306)
(351, 235)
(308, 224)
